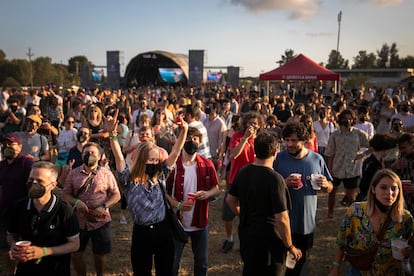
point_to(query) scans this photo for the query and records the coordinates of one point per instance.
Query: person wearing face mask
(14, 172)
(298, 159)
(380, 144)
(362, 222)
(193, 174)
(48, 222)
(405, 115)
(12, 118)
(142, 184)
(363, 122)
(35, 145)
(92, 190)
(75, 153)
(342, 153)
(241, 152)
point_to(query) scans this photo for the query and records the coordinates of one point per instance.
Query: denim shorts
(101, 240)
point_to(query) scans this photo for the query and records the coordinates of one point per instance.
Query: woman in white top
(323, 128)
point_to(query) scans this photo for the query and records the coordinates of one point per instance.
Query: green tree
(288, 56)
(336, 61)
(364, 60)
(44, 72)
(76, 62)
(19, 70)
(407, 62)
(2, 55)
(394, 58)
(383, 56)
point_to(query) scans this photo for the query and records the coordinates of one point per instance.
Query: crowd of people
(145, 147)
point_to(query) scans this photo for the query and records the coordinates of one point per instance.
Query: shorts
(226, 213)
(101, 240)
(349, 183)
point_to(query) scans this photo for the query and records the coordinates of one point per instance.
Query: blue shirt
(146, 204)
(304, 201)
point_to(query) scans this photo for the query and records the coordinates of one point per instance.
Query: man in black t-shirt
(47, 222)
(264, 229)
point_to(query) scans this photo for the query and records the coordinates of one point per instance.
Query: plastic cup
(314, 181)
(298, 180)
(23, 245)
(191, 197)
(397, 246)
(290, 260)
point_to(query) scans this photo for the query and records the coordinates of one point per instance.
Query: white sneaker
(123, 220)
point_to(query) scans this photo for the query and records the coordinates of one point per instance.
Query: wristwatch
(104, 206)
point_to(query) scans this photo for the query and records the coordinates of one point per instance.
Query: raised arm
(176, 150)
(110, 126)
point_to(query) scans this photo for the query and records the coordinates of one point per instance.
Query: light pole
(339, 31)
(30, 54)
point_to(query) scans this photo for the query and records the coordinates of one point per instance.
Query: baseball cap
(12, 137)
(35, 118)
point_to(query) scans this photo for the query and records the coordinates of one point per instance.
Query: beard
(295, 153)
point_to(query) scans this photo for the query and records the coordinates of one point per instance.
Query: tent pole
(267, 88)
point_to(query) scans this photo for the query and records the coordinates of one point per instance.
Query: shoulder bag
(174, 222)
(363, 259)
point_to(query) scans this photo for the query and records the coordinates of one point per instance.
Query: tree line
(41, 71)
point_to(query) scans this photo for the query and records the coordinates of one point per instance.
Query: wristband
(178, 205)
(44, 254)
(76, 204)
(290, 247)
(244, 139)
(113, 136)
(336, 264)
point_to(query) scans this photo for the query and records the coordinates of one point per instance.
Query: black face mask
(322, 114)
(8, 153)
(152, 169)
(28, 126)
(90, 160)
(362, 119)
(396, 128)
(13, 108)
(81, 138)
(346, 123)
(36, 190)
(383, 208)
(190, 147)
(404, 108)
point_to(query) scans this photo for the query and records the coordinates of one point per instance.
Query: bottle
(406, 266)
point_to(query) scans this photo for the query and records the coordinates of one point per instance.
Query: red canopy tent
(300, 68)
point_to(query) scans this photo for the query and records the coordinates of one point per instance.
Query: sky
(252, 34)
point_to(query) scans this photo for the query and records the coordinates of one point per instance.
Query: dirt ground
(321, 256)
(118, 262)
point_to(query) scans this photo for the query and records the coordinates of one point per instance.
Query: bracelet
(290, 247)
(76, 204)
(178, 205)
(337, 264)
(244, 139)
(44, 255)
(113, 136)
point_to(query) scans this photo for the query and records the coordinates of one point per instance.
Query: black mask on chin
(383, 208)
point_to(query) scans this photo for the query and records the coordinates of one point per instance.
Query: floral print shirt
(357, 232)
